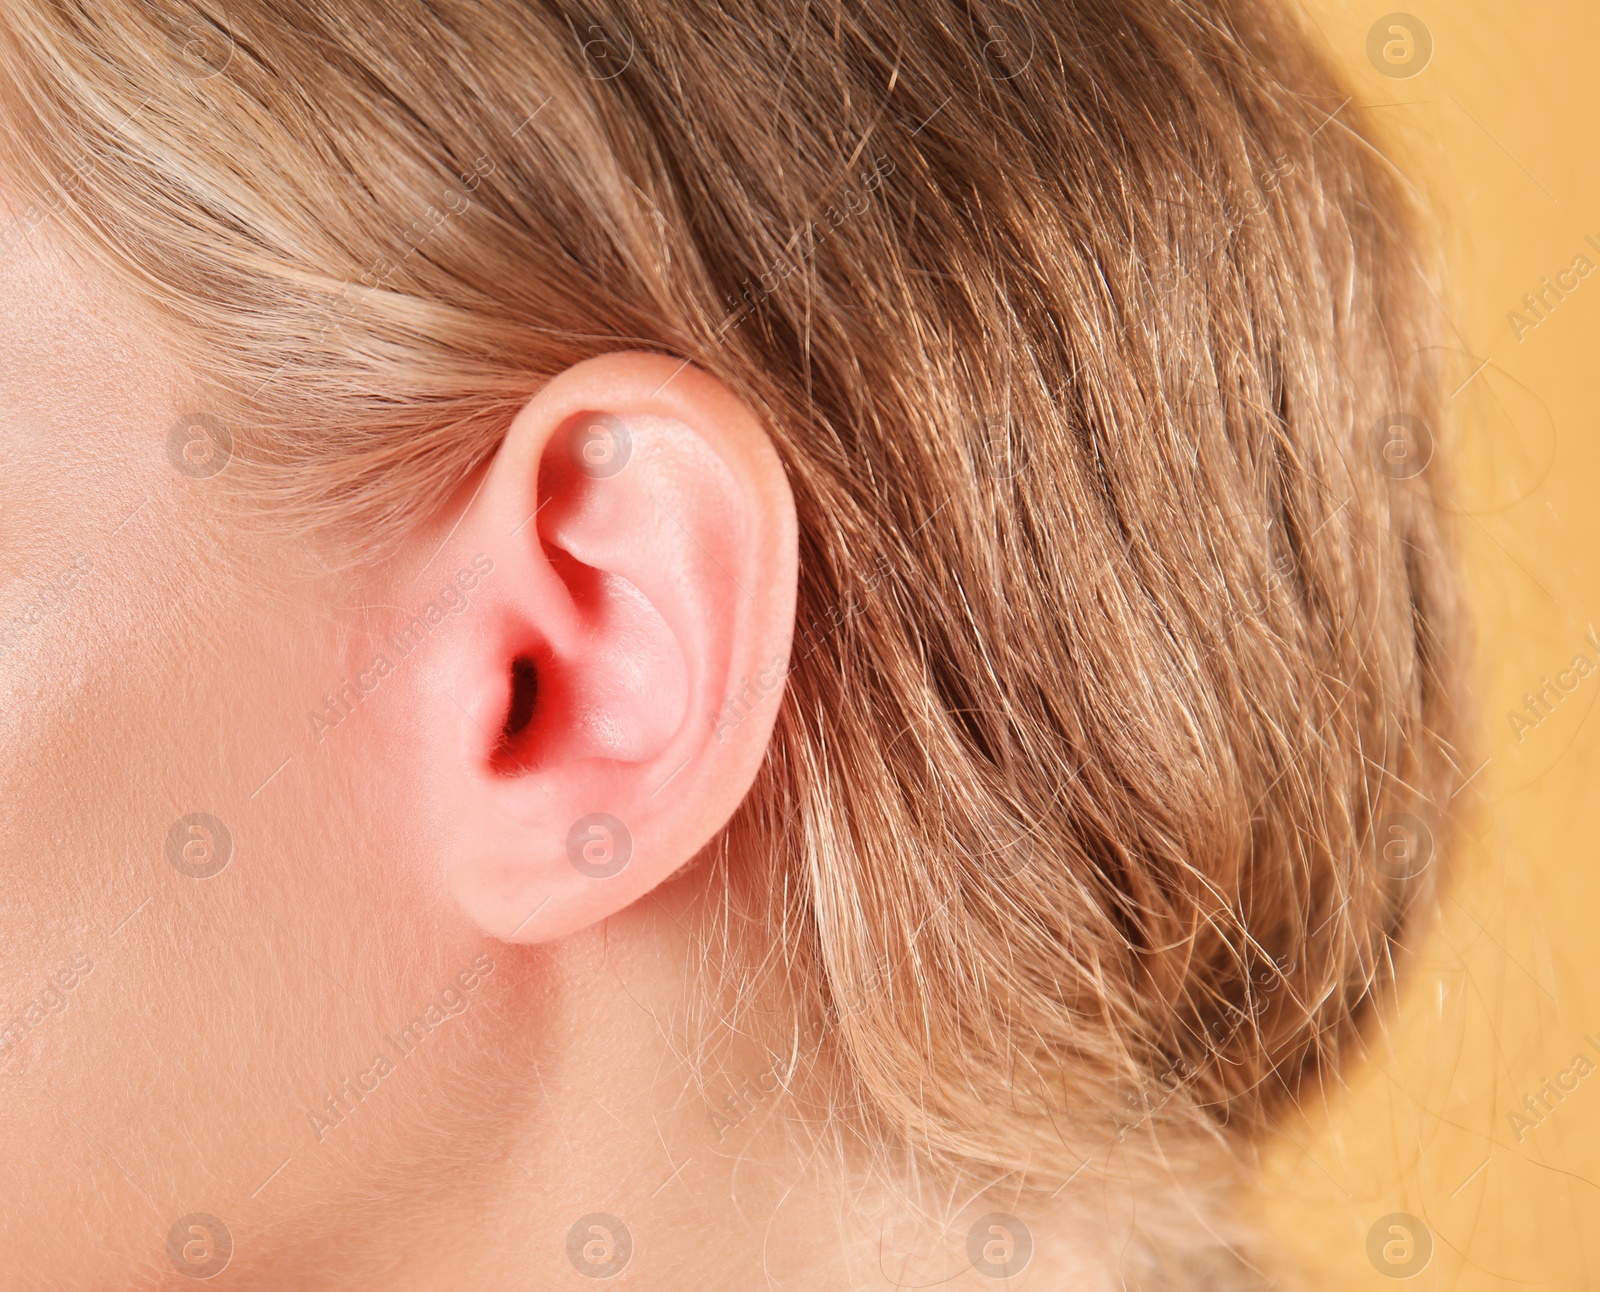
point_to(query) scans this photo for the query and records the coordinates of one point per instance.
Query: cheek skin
(162, 691)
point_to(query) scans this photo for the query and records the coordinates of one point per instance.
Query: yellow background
(1503, 127)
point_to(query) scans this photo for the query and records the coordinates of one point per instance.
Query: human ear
(635, 553)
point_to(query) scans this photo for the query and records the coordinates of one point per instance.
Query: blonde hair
(1086, 333)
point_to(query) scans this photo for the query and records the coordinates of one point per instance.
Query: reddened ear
(612, 696)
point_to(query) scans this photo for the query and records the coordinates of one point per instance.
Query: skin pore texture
(325, 1043)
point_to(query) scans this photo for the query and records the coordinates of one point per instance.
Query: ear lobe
(643, 541)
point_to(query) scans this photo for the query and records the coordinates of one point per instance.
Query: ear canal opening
(524, 695)
(520, 709)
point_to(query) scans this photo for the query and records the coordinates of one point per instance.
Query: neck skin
(596, 1113)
